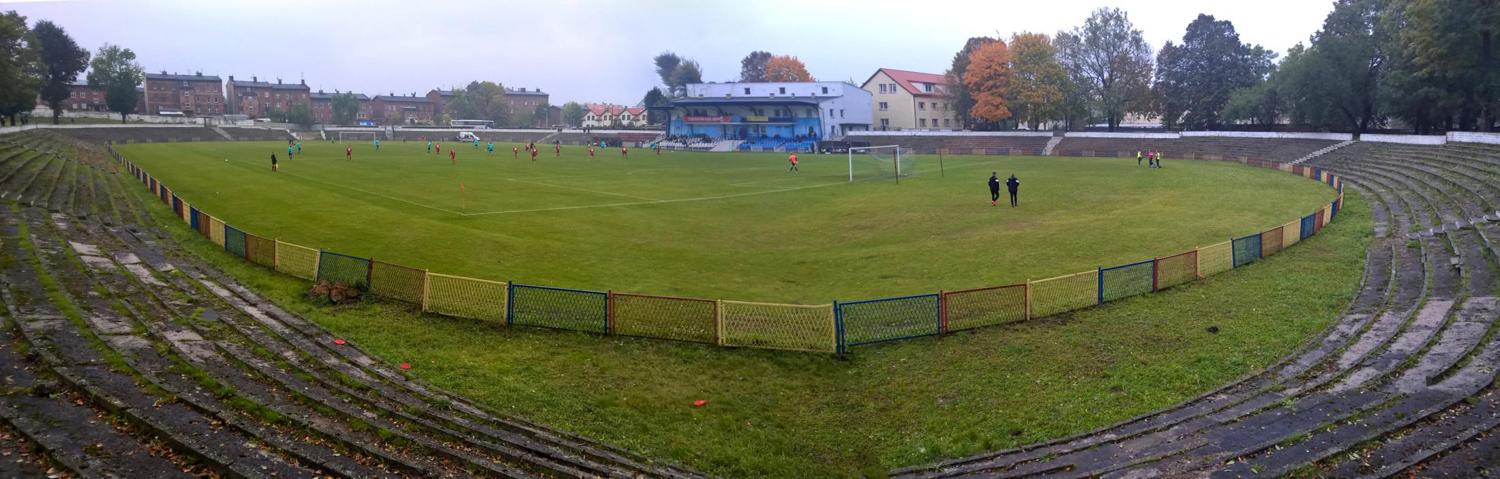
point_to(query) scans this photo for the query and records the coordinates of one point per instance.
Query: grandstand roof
(174, 76)
(907, 78)
(745, 100)
(320, 95)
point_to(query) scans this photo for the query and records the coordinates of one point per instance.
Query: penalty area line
(655, 202)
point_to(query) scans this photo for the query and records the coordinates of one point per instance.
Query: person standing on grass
(793, 160)
(994, 188)
(556, 150)
(453, 155)
(1013, 184)
(591, 151)
(1137, 157)
(349, 152)
(533, 154)
(429, 147)
(289, 153)
(1158, 160)
(377, 144)
(490, 147)
(515, 152)
(299, 147)
(624, 151)
(273, 163)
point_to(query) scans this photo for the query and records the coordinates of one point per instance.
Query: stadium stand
(1194, 147)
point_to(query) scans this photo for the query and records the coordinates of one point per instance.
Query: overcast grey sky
(591, 51)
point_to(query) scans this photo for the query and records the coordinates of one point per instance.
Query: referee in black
(1013, 185)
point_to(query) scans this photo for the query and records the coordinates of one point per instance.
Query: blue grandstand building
(770, 115)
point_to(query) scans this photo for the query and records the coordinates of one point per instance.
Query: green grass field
(778, 414)
(733, 226)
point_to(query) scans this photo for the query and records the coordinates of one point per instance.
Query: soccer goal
(346, 136)
(889, 161)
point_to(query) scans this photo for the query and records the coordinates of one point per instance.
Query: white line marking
(655, 202)
(585, 190)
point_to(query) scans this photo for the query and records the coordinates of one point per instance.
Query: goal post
(358, 135)
(886, 161)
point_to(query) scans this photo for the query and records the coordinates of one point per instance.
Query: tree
(1259, 104)
(300, 115)
(1113, 65)
(685, 73)
(63, 60)
(21, 69)
(786, 68)
(1334, 82)
(1076, 101)
(753, 67)
(666, 65)
(1451, 54)
(988, 80)
(276, 114)
(345, 108)
(1036, 80)
(572, 113)
(484, 100)
(962, 101)
(1196, 78)
(655, 98)
(395, 117)
(541, 116)
(115, 69)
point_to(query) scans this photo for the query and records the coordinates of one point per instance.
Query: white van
(467, 136)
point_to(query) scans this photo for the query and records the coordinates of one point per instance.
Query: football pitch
(731, 226)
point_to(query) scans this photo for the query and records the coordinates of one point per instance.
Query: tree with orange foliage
(786, 68)
(988, 81)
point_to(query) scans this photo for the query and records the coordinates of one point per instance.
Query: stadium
(768, 277)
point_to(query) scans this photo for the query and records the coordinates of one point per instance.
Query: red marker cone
(339, 342)
(700, 403)
(405, 365)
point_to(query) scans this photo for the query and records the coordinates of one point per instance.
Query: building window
(781, 90)
(927, 87)
(922, 105)
(882, 88)
(885, 123)
(946, 122)
(923, 122)
(825, 90)
(747, 90)
(841, 113)
(830, 113)
(884, 106)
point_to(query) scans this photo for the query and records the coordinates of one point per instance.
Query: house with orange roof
(908, 100)
(604, 115)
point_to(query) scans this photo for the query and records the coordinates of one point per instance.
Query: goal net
(890, 161)
(347, 136)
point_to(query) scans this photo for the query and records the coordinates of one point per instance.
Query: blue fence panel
(1126, 280)
(1333, 210)
(1309, 223)
(1246, 250)
(558, 308)
(888, 319)
(193, 218)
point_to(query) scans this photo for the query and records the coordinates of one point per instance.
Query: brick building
(440, 99)
(524, 102)
(255, 98)
(191, 95)
(396, 109)
(322, 107)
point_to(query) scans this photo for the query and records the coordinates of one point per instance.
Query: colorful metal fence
(342, 268)
(975, 308)
(820, 328)
(462, 297)
(1126, 280)
(558, 308)
(664, 317)
(888, 319)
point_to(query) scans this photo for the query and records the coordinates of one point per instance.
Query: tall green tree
(1201, 73)
(666, 63)
(963, 100)
(300, 115)
(541, 116)
(1076, 109)
(1113, 63)
(1335, 81)
(63, 59)
(685, 73)
(114, 68)
(345, 108)
(485, 100)
(572, 114)
(21, 69)
(753, 66)
(1259, 104)
(655, 98)
(1169, 90)
(1452, 50)
(1036, 80)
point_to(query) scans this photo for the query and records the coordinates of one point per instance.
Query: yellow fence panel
(1064, 293)
(216, 231)
(462, 297)
(778, 326)
(299, 261)
(1215, 259)
(1291, 233)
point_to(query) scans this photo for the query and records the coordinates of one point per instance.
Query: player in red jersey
(793, 160)
(557, 150)
(515, 152)
(624, 152)
(348, 152)
(591, 152)
(533, 154)
(453, 155)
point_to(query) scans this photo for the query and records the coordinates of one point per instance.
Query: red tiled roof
(906, 79)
